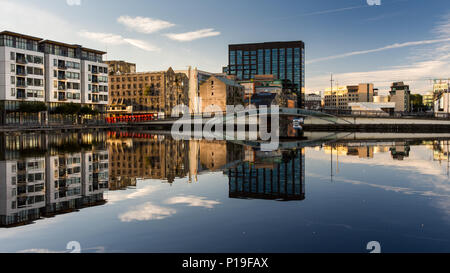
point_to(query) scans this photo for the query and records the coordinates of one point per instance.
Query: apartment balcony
(21, 72)
(61, 87)
(62, 77)
(21, 94)
(21, 60)
(22, 84)
(62, 67)
(62, 97)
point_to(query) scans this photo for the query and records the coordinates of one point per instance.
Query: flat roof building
(284, 60)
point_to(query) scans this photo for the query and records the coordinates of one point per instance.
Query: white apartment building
(63, 72)
(21, 69)
(33, 69)
(22, 190)
(94, 76)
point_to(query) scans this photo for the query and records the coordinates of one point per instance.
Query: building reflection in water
(43, 175)
(278, 175)
(46, 174)
(398, 150)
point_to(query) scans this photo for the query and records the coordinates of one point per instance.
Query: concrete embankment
(364, 124)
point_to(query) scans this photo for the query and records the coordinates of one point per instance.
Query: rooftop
(6, 32)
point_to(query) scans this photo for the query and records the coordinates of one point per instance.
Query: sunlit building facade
(284, 60)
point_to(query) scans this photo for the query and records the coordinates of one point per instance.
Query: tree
(32, 107)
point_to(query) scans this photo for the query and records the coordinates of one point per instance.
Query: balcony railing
(20, 60)
(62, 66)
(21, 72)
(21, 84)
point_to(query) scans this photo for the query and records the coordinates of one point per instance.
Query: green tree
(32, 107)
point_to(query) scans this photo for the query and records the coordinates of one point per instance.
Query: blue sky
(399, 40)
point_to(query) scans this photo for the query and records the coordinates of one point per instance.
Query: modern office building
(401, 95)
(36, 70)
(339, 97)
(120, 67)
(147, 92)
(284, 60)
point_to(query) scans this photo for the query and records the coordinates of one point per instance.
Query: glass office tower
(284, 60)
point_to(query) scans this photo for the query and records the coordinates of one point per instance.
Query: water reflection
(43, 175)
(46, 174)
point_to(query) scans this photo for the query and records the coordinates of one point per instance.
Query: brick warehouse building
(147, 92)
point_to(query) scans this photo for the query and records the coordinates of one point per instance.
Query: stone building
(148, 92)
(120, 67)
(146, 157)
(220, 91)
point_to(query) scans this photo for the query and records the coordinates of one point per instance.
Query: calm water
(124, 192)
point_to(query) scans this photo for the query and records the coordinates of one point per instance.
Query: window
(13, 68)
(13, 80)
(13, 92)
(13, 56)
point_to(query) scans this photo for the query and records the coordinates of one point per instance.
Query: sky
(355, 40)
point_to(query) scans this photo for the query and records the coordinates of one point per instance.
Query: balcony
(21, 72)
(61, 87)
(22, 84)
(21, 60)
(62, 77)
(21, 94)
(62, 96)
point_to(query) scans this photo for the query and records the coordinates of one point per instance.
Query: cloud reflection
(146, 212)
(193, 201)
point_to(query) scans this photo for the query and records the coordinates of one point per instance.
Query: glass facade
(284, 60)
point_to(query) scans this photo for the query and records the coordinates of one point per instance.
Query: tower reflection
(277, 175)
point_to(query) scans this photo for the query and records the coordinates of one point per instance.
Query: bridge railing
(381, 114)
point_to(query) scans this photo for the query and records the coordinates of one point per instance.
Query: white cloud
(115, 39)
(145, 212)
(141, 44)
(73, 2)
(393, 46)
(193, 201)
(424, 64)
(144, 24)
(194, 35)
